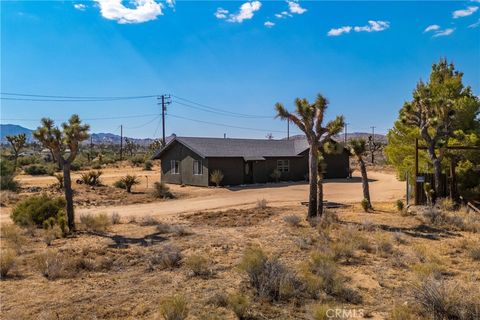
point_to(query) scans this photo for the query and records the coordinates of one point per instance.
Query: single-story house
(190, 160)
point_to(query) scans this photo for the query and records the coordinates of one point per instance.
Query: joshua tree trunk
(67, 183)
(366, 191)
(453, 180)
(320, 194)
(436, 161)
(313, 172)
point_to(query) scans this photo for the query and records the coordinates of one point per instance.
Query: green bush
(365, 205)
(160, 190)
(36, 170)
(37, 209)
(148, 165)
(120, 184)
(400, 205)
(240, 305)
(174, 308)
(7, 179)
(27, 160)
(137, 160)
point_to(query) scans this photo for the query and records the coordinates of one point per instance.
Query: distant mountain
(97, 138)
(12, 130)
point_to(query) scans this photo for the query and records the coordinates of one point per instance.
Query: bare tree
(18, 143)
(309, 118)
(63, 143)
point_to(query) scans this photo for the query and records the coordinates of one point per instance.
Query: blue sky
(366, 57)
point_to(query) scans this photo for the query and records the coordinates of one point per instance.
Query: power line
(146, 123)
(76, 97)
(224, 125)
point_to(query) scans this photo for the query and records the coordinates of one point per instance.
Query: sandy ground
(383, 187)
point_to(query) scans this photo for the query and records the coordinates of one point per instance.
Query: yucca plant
(216, 177)
(129, 181)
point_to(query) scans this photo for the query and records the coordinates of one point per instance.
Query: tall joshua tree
(358, 148)
(63, 143)
(309, 118)
(18, 143)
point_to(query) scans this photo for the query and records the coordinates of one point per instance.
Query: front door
(248, 172)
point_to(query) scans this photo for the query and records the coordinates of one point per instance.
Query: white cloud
(246, 11)
(464, 13)
(444, 33)
(221, 13)
(170, 3)
(79, 6)
(432, 27)
(373, 26)
(475, 25)
(339, 31)
(269, 24)
(143, 11)
(294, 7)
(283, 15)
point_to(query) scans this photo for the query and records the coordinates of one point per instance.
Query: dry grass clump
(447, 300)
(262, 204)
(52, 264)
(169, 257)
(218, 299)
(8, 260)
(240, 305)
(268, 276)
(199, 266)
(161, 190)
(475, 252)
(321, 275)
(174, 308)
(175, 229)
(14, 236)
(462, 219)
(322, 312)
(95, 222)
(115, 218)
(384, 245)
(403, 312)
(149, 221)
(292, 220)
(52, 233)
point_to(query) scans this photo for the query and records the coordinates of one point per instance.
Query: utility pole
(121, 142)
(372, 147)
(91, 147)
(288, 129)
(164, 101)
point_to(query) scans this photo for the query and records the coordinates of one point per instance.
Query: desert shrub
(365, 205)
(137, 160)
(270, 278)
(37, 209)
(402, 312)
(115, 218)
(8, 259)
(7, 176)
(36, 170)
(150, 221)
(400, 205)
(240, 305)
(434, 215)
(428, 270)
(169, 257)
(399, 238)
(14, 236)
(384, 245)
(262, 204)
(447, 204)
(175, 229)
(324, 267)
(447, 300)
(59, 184)
(475, 252)
(51, 264)
(148, 165)
(27, 160)
(52, 233)
(128, 181)
(292, 220)
(199, 265)
(174, 308)
(276, 175)
(91, 178)
(321, 312)
(97, 166)
(161, 190)
(218, 299)
(120, 184)
(95, 222)
(216, 177)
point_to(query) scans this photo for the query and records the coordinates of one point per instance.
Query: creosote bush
(38, 209)
(36, 170)
(174, 308)
(240, 305)
(95, 222)
(270, 278)
(161, 190)
(169, 257)
(8, 258)
(199, 266)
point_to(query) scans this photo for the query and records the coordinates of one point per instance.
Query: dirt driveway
(383, 187)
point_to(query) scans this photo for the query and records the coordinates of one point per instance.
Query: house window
(174, 167)
(283, 165)
(197, 167)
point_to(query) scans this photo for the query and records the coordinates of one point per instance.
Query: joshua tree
(358, 148)
(130, 146)
(63, 143)
(309, 118)
(18, 143)
(129, 182)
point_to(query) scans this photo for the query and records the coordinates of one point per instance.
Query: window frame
(283, 165)
(199, 166)
(174, 167)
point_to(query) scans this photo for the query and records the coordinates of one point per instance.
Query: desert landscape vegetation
(88, 235)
